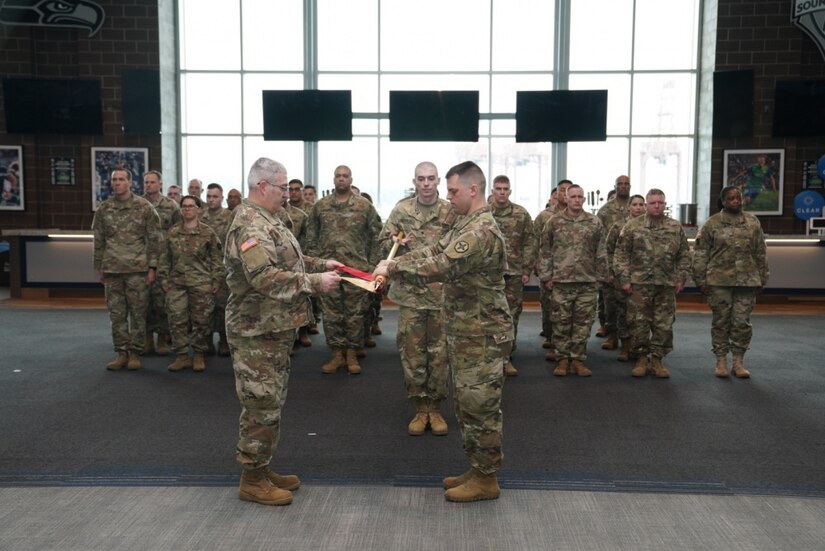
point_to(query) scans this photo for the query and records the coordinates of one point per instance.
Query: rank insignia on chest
(248, 244)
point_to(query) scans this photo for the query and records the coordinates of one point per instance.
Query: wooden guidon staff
(365, 280)
(381, 280)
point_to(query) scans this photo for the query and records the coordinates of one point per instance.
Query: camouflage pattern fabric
(423, 350)
(168, 211)
(190, 316)
(731, 328)
(156, 317)
(613, 212)
(544, 296)
(127, 297)
(296, 221)
(261, 365)
(574, 309)
(572, 249)
(651, 311)
(127, 236)
(219, 222)
(615, 305)
(514, 292)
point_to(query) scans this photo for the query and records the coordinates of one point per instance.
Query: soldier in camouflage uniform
(219, 219)
(295, 220)
(127, 239)
(157, 320)
(652, 263)
(730, 266)
(556, 206)
(637, 208)
(296, 195)
(269, 290)
(344, 225)
(303, 197)
(424, 219)
(615, 210)
(471, 261)
(572, 262)
(174, 193)
(517, 227)
(233, 199)
(191, 268)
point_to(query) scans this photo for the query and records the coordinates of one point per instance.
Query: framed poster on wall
(106, 159)
(12, 194)
(760, 174)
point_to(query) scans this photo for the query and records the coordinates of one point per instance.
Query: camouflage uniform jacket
(730, 250)
(610, 243)
(345, 230)
(517, 227)
(572, 249)
(192, 257)
(168, 211)
(267, 275)
(612, 212)
(303, 206)
(428, 226)
(471, 260)
(219, 222)
(538, 227)
(652, 253)
(296, 221)
(127, 236)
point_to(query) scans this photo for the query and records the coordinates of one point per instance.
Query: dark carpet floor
(64, 419)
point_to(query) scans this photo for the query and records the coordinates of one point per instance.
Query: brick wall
(127, 40)
(759, 35)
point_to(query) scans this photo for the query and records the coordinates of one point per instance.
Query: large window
(497, 47)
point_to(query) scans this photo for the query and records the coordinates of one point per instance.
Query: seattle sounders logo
(809, 15)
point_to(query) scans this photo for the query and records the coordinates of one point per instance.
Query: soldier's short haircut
(564, 182)
(264, 169)
(571, 186)
(295, 181)
(197, 200)
(468, 173)
(155, 172)
(173, 186)
(654, 191)
(126, 170)
(309, 186)
(728, 189)
(501, 178)
(215, 186)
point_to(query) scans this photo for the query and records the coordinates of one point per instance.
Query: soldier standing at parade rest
(127, 240)
(217, 218)
(730, 266)
(517, 227)
(471, 261)
(424, 219)
(652, 263)
(344, 225)
(157, 320)
(615, 210)
(191, 268)
(572, 263)
(233, 199)
(307, 199)
(269, 287)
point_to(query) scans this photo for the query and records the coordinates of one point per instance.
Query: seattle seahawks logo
(809, 15)
(81, 14)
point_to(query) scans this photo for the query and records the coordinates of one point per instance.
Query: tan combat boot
(162, 348)
(120, 361)
(180, 363)
(223, 345)
(360, 352)
(561, 367)
(149, 344)
(547, 343)
(353, 366)
(721, 366)
(455, 481)
(601, 331)
(640, 369)
(550, 356)
(255, 486)
(510, 370)
(419, 423)
(369, 342)
(134, 361)
(739, 370)
(478, 487)
(580, 369)
(624, 353)
(285, 482)
(303, 337)
(612, 343)
(438, 426)
(659, 369)
(198, 363)
(338, 360)
(375, 329)
(312, 329)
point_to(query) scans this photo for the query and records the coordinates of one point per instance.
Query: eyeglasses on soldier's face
(283, 187)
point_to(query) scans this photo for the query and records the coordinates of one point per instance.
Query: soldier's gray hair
(264, 169)
(468, 173)
(655, 191)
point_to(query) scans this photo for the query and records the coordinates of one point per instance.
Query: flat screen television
(434, 116)
(307, 115)
(732, 104)
(561, 116)
(799, 109)
(52, 106)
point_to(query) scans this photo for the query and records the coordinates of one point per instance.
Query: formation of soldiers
(262, 272)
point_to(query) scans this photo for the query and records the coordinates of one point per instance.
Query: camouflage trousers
(514, 291)
(423, 352)
(477, 373)
(546, 303)
(574, 309)
(190, 316)
(602, 309)
(127, 299)
(157, 320)
(261, 366)
(731, 328)
(651, 311)
(373, 312)
(614, 309)
(344, 313)
(219, 313)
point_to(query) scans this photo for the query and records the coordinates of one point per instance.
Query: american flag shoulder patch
(248, 244)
